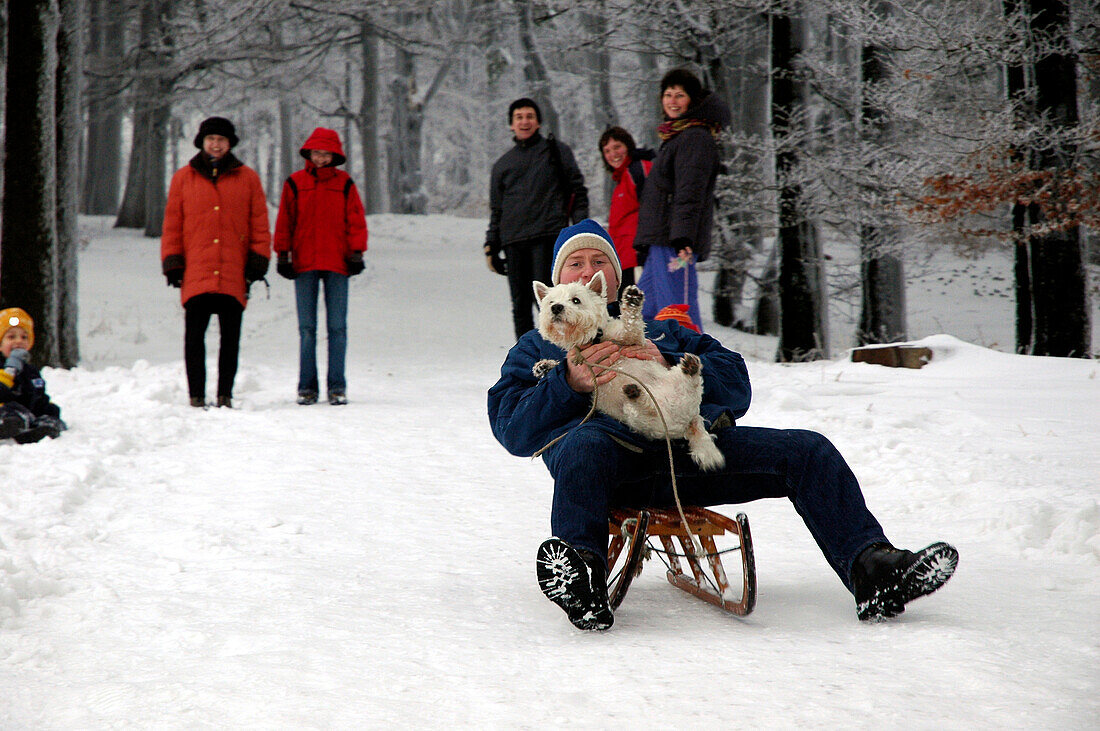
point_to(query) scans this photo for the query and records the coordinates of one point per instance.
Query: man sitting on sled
(601, 463)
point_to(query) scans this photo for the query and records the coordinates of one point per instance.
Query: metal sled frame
(630, 531)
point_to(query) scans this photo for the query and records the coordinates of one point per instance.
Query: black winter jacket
(526, 199)
(28, 389)
(678, 200)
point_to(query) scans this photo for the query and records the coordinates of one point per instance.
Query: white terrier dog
(575, 315)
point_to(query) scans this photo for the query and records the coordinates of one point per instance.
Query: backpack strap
(293, 186)
(637, 174)
(558, 166)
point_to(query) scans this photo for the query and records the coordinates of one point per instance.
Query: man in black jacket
(536, 190)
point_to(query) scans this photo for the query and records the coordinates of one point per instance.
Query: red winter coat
(622, 222)
(321, 218)
(214, 226)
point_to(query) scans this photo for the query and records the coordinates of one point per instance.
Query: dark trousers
(528, 261)
(592, 473)
(198, 310)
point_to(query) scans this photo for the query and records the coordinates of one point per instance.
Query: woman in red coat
(215, 242)
(629, 165)
(320, 237)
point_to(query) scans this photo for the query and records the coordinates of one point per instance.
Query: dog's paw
(543, 367)
(632, 391)
(633, 297)
(690, 364)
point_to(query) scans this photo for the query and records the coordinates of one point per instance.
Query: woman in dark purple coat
(677, 208)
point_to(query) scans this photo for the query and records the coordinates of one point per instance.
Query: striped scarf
(673, 127)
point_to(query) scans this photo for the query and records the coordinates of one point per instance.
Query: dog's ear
(540, 291)
(598, 284)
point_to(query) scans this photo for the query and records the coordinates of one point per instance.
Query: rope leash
(697, 547)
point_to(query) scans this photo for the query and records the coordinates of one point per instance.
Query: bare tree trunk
(157, 13)
(371, 185)
(801, 333)
(1060, 300)
(599, 65)
(28, 237)
(3, 92)
(534, 69)
(289, 160)
(131, 212)
(405, 178)
(650, 101)
(497, 59)
(143, 200)
(737, 236)
(882, 316)
(1016, 89)
(70, 56)
(101, 171)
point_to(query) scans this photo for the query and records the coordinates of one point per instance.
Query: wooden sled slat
(708, 579)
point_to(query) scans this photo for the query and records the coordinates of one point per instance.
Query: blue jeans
(593, 473)
(306, 287)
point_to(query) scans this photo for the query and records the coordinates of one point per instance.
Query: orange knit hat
(16, 317)
(679, 313)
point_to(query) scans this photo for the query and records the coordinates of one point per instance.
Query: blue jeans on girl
(306, 289)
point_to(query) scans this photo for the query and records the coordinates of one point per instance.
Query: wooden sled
(631, 529)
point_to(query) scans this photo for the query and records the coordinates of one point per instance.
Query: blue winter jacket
(526, 413)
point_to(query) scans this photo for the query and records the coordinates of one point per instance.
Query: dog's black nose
(556, 309)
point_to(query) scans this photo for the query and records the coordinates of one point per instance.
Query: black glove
(255, 267)
(16, 360)
(172, 266)
(284, 267)
(495, 258)
(354, 263)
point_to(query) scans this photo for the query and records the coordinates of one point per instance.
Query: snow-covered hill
(278, 566)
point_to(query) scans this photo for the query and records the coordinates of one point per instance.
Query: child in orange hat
(26, 412)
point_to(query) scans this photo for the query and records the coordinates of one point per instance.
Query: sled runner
(630, 532)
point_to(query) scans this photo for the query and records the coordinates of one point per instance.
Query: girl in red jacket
(320, 237)
(629, 165)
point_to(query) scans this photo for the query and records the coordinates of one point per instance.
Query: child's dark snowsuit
(26, 412)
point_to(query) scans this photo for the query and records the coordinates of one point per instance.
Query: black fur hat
(216, 126)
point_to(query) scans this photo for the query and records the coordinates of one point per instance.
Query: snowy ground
(276, 566)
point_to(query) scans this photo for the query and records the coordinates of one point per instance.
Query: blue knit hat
(584, 235)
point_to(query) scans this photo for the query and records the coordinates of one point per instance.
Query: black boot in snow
(575, 580)
(885, 579)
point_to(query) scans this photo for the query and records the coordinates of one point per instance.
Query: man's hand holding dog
(580, 374)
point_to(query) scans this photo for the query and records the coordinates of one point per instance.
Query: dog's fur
(574, 315)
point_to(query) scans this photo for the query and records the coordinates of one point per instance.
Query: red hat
(679, 313)
(327, 140)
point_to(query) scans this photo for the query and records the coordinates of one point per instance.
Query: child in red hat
(320, 237)
(26, 413)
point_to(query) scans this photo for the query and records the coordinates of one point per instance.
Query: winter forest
(895, 127)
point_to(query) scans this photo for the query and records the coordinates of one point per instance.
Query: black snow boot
(575, 580)
(10, 425)
(885, 579)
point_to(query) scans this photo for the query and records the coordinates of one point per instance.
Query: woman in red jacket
(320, 237)
(629, 165)
(215, 242)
